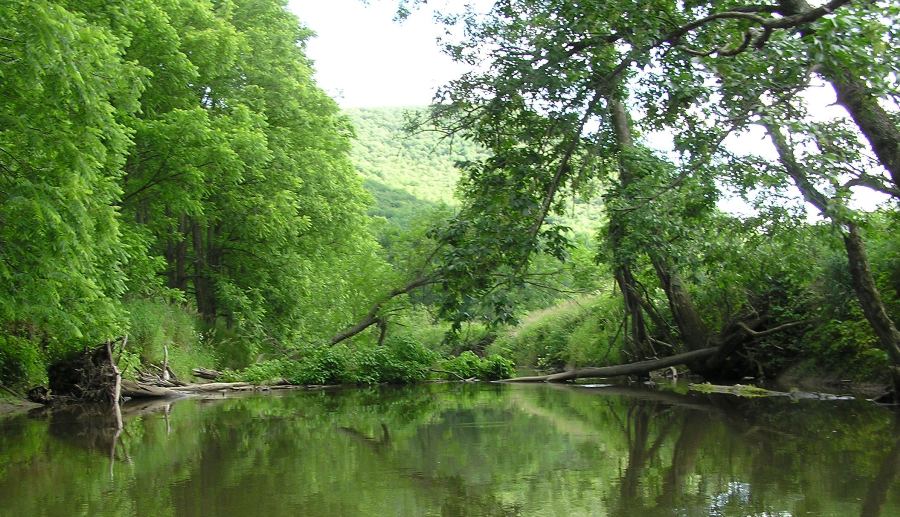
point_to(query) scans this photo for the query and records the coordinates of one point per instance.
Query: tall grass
(156, 325)
(578, 332)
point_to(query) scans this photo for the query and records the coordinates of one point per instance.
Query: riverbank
(815, 388)
(11, 405)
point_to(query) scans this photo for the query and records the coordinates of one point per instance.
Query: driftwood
(139, 390)
(142, 390)
(205, 373)
(116, 394)
(637, 368)
(215, 386)
(88, 376)
(93, 376)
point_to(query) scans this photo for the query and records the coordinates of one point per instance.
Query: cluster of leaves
(467, 365)
(399, 361)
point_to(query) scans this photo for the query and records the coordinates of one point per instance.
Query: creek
(455, 449)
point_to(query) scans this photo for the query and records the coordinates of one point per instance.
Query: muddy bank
(11, 406)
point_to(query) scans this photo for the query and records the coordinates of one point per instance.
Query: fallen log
(740, 390)
(137, 390)
(214, 386)
(637, 368)
(205, 373)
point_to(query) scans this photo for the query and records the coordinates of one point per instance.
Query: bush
(400, 361)
(496, 367)
(321, 365)
(467, 365)
(847, 348)
(22, 364)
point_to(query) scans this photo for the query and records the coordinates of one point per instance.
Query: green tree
(66, 97)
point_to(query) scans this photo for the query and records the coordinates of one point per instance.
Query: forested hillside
(419, 162)
(408, 166)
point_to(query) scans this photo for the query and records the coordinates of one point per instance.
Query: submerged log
(640, 367)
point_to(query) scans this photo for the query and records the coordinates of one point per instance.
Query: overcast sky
(365, 59)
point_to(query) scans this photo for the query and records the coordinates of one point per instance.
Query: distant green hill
(422, 164)
(408, 173)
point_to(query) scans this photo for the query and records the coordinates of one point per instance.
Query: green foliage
(572, 333)
(156, 325)
(399, 361)
(21, 362)
(177, 150)
(66, 92)
(468, 365)
(497, 367)
(322, 365)
(846, 348)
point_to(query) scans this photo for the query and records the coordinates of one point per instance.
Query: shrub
(402, 360)
(321, 365)
(22, 364)
(467, 365)
(496, 367)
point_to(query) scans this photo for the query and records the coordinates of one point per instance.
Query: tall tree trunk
(203, 289)
(860, 272)
(855, 96)
(693, 331)
(176, 256)
(637, 339)
(869, 297)
(690, 326)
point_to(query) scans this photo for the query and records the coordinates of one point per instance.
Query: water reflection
(456, 449)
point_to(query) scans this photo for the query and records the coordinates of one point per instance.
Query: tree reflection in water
(457, 450)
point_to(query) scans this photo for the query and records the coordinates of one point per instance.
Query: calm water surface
(456, 449)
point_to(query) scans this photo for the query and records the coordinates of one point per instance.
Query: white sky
(365, 59)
